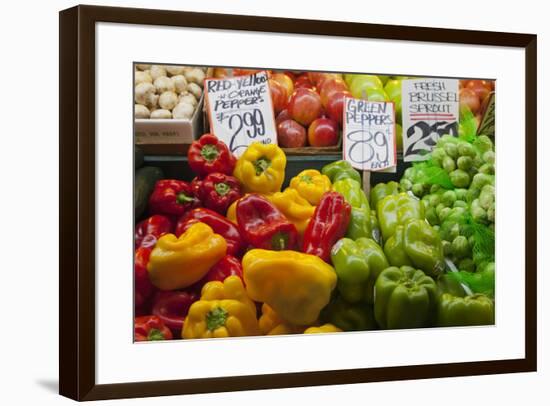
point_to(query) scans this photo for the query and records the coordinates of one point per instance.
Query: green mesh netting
(428, 173)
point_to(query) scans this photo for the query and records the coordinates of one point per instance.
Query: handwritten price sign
(240, 111)
(430, 110)
(369, 134)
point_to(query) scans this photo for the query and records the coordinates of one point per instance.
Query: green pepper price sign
(240, 110)
(368, 137)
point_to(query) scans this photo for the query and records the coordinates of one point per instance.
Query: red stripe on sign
(432, 118)
(428, 114)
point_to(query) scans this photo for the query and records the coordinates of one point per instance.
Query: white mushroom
(168, 100)
(143, 92)
(187, 97)
(180, 83)
(195, 90)
(142, 77)
(141, 66)
(175, 70)
(161, 113)
(164, 84)
(157, 71)
(183, 110)
(140, 111)
(195, 75)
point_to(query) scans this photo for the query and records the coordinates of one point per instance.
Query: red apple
(303, 81)
(323, 132)
(314, 77)
(285, 81)
(290, 134)
(330, 86)
(282, 116)
(305, 106)
(469, 99)
(279, 95)
(335, 105)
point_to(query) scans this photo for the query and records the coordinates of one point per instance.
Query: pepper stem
(261, 165)
(182, 198)
(279, 241)
(209, 152)
(155, 335)
(216, 318)
(222, 188)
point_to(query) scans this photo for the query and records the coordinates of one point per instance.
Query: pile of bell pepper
(231, 253)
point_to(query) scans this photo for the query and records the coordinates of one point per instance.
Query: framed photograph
(228, 212)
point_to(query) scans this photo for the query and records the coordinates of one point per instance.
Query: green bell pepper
(382, 190)
(416, 244)
(448, 284)
(404, 298)
(475, 310)
(340, 170)
(394, 210)
(360, 220)
(348, 316)
(357, 265)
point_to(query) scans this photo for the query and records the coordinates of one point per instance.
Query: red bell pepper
(327, 225)
(217, 191)
(263, 225)
(171, 307)
(150, 328)
(172, 198)
(143, 288)
(149, 230)
(208, 154)
(218, 223)
(227, 266)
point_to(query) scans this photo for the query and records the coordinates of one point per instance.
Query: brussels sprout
(461, 204)
(487, 196)
(487, 168)
(444, 213)
(438, 209)
(418, 189)
(448, 198)
(446, 248)
(484, 143)
(467, 264)
(478, 213)
(460, 178)
(466, 149)
(461, 194)
(464, 163)
(451, 149)
(405, 184)
(431, 216)
(481, 179)
(448, 164)
(438, 154)
(409, 173)
(436, 227)
(489, 157)
(434, 200)
(446, 138)
(460, 247)
(477, 162)
(491, 214)
(471, 240)
(435, 188)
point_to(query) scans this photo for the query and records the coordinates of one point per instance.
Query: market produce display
(246, 247)
(163, 91)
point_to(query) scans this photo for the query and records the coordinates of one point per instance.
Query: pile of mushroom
(163, 91)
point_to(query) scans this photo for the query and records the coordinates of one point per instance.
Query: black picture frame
(77, 201)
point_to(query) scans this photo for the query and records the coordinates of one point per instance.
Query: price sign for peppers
(430, 110)
(240, 111)
(369, 134)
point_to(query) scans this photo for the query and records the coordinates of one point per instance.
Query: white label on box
(369, 134)
(240, 111)
(430, 110)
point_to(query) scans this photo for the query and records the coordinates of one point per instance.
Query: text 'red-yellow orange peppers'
(261, 168)
(296, 285)
(224, 310)
(176, 263)
(311, 185)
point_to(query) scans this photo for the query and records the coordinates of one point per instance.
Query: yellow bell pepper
(223, 310)
(325, 328)
(311, 185)
(176, 263)
(296, 285)
(272, 324)
(261, 168)
(295, 208)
